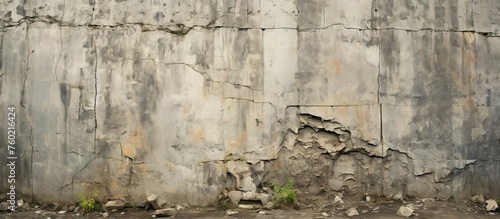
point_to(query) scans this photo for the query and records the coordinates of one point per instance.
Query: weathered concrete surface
(191, 99)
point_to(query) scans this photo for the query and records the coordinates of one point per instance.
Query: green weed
(284, 194)
(89, 204)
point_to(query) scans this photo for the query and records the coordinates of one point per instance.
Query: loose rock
(247, 206)
(398, 196)
(20, 203)
(235, 196)
(477, 199)
(269, 205)
(166, 212)
(105, 214)
(337, 199)
(115, 204)
(264, 212)
(231, 212)
(155, 201)
(405, 211)
(491, 205)
(352, 212)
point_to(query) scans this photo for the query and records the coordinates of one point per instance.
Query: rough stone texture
(404, 211)
(193, 99)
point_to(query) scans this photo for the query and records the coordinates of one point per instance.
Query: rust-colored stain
(469, 57)
(198, 134)
(132, 143)
(469, 38)
(240, 140)
(336, 65)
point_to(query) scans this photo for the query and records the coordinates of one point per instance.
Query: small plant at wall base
(284, 194)
(89, 204)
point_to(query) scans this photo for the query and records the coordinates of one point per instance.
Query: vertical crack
(63, 12)
(93, 10)
(95, 94)
(60, 52)
(26, 114)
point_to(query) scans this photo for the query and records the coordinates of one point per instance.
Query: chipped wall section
(193, 99)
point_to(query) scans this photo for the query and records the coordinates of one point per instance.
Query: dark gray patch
(147, 90)
(120, 0)
(410, 6)
(310, 14)
(65, 95)
(20, 10)
(303, 77)
(158, 15)
(453, 8)
(8, 16)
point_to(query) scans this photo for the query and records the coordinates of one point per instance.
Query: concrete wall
(188, 99)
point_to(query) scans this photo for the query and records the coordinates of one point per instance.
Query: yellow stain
(131, 144)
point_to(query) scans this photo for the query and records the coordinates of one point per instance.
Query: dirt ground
(316, 207)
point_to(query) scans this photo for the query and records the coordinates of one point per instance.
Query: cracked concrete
(126, 98)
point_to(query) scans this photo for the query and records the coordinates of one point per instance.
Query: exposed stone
(20, 202)
(61, 212)
(219, 96)
(398, 196)
(477, 199)
(115, 204)
(269, 205)
(105, 214)
(231, 212)
(248, 206)
(155, 201)
(404, 211)
(261, 212)
(235, 196)
(337, 199)
(491, 205)
(166, 212)
(335, 184)
(264, 198)
(248, 196)
(352, 212)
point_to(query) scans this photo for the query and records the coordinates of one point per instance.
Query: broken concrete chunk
(405, 211)
(352, 212)
(491, 205)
